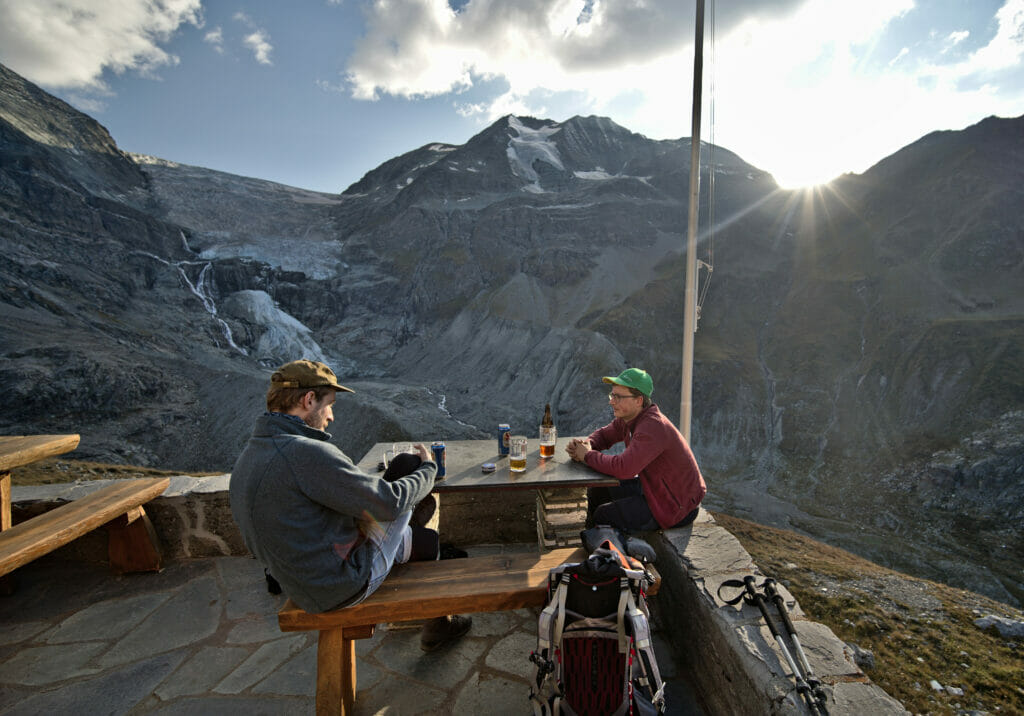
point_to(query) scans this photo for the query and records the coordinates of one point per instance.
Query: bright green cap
(634, 378)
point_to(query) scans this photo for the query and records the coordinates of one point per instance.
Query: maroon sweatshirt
(657, 453)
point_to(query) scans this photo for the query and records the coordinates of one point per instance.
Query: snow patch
(283, 337)
(531, 145)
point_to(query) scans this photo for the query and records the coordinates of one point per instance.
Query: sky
(316, 93)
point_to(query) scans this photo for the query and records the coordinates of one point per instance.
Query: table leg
(561, 514)
(5, 501)
(8, 583)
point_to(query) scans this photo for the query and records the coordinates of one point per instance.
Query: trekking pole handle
(749, 583)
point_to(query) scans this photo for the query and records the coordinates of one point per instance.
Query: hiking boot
(442, 630)
(450, 551)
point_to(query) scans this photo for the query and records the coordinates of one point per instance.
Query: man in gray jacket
(326, 530)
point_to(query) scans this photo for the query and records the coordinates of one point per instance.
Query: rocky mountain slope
(858, 360)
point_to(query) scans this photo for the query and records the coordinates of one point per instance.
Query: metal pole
(690, 296)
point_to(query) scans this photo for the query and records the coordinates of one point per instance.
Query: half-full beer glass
(517, 453)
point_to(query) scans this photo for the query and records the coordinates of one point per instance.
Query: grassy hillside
(919, 631)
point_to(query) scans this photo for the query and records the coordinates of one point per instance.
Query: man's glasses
(616, 397)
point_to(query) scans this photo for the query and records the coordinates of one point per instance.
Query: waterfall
(202, 290)
(442, 406)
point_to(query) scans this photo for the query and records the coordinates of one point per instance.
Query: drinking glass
(517, 453)
(548, 437)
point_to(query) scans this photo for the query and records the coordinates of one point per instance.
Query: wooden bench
(414, 591)
(133, 545)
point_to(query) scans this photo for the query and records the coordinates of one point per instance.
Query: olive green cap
(306, 374)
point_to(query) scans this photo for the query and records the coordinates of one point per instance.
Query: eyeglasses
(616, 397)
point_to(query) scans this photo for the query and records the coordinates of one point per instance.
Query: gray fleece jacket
(301, 505)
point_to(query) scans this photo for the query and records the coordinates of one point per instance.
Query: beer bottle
(547, 434)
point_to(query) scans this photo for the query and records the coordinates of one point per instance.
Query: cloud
(70, 43)
(258, 40)
(421, 48)
(798, 85)
(215, 37)
(1007, 47)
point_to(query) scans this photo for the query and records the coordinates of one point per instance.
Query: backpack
(594, 653)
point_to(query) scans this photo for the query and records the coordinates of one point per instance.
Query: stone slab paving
(201, 637)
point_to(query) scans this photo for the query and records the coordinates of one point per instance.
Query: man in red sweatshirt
(661, 483)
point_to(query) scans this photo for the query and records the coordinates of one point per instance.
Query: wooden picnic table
(559, 482)
(21, 450)
(464, 462)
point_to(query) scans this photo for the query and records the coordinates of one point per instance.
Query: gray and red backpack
(594, 653)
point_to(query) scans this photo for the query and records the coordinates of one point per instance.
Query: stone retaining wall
(731, 659)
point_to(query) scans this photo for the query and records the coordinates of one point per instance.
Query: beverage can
(438, 448)
(503, 432)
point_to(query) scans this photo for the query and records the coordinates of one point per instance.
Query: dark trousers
(622, 506)
(425, 541)
(625, 507)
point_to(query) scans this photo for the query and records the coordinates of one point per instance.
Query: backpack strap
(549, 632)
(552, 617)
(641, 629)
(559, 604)
(625, 599)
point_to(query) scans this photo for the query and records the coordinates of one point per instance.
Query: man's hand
(425, 454)
(578, 449)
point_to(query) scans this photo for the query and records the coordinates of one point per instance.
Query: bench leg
(335, 673)
(132, 543)
(336, 669)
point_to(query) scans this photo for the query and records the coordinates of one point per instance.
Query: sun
(802, 177)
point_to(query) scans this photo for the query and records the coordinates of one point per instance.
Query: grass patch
(919, 631)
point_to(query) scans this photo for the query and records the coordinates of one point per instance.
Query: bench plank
(422, 590)
(46, 532)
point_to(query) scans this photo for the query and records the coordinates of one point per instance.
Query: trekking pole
(755, 597)
(812, 681)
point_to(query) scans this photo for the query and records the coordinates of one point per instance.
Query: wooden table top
(19, 450)
(464, 460)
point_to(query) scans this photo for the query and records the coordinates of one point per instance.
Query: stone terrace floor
(201, 637)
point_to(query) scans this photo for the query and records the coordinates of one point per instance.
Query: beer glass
(517, 453)
(548, 436)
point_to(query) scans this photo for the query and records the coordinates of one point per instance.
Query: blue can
(438, 448)
(504, 429)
